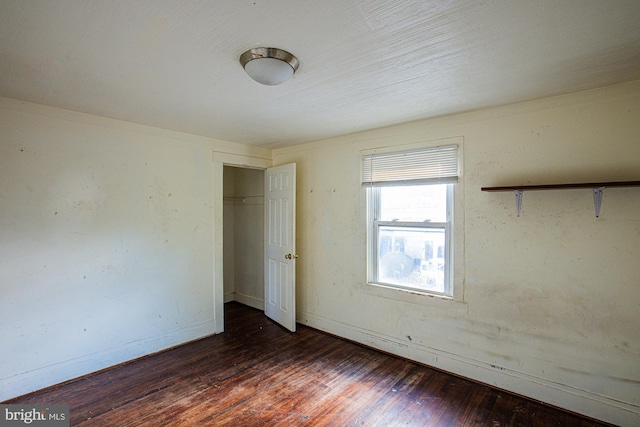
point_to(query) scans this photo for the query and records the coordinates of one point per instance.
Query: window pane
(412, 257)
(415, 203)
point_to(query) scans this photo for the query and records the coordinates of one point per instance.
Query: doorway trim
(220, 160)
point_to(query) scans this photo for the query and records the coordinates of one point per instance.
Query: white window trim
(373, 225)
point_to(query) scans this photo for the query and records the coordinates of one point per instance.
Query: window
(410, 218)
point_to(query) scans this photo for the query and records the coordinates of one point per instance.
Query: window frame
(374, 200)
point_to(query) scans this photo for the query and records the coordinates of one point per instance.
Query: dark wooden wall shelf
(598, 189)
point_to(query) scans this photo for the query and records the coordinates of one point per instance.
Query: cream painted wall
(551, 301)
(106, 242)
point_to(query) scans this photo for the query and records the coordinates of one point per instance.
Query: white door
(280, 245)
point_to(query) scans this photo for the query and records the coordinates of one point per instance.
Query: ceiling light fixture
(269, 65)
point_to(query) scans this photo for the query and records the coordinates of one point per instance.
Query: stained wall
(548, 304)
(106, 242)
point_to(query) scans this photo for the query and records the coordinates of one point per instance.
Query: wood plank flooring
(258, 374)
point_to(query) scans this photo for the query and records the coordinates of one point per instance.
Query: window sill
(411, 291)
(411, 296)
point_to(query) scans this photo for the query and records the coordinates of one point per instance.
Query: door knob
(291, 256)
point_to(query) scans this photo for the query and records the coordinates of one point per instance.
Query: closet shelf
(597, 187)
(244, 200)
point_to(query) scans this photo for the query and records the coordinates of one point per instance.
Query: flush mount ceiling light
(269, 65)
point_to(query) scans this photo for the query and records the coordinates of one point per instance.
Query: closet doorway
(251, 194)
(243, 236)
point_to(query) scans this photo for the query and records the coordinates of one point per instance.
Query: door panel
(280, 251)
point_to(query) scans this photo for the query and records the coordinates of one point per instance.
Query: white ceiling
(363, 64)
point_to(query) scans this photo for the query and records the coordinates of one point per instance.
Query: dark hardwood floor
(257, 374)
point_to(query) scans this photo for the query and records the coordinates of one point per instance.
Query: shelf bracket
(518, 202)
(597, 199)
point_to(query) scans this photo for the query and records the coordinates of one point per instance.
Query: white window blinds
(426, 166)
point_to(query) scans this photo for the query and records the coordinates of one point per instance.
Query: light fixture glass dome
(269, 66)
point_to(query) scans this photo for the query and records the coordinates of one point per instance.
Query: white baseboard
(57, 373)
(542, 389)
(250, 301)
